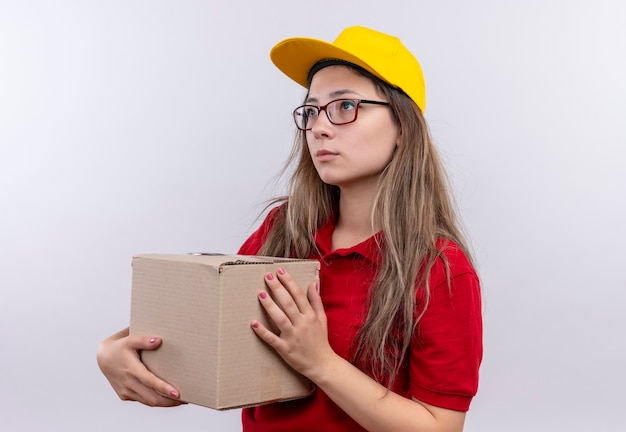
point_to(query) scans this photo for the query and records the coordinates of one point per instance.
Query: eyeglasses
(338, 111)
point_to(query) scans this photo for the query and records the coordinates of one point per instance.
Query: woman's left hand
(302, 340)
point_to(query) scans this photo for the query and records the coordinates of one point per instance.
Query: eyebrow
(333, 94)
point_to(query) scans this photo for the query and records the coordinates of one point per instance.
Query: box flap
(218, 260)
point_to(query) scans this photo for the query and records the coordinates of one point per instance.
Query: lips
(324, 153)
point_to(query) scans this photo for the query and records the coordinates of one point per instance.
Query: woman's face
(352, 154)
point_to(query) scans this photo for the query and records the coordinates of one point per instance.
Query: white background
(157, 126)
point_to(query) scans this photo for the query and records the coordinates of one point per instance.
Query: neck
(354, 222)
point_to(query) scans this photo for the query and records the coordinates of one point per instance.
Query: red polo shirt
(445, 354)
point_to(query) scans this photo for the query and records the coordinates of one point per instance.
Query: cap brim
(296, 56)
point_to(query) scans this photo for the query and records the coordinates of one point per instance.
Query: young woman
(393, 339)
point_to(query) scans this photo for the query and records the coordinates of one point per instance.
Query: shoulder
(452, 278)
(451, 263)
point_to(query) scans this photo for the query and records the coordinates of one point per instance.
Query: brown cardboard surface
(202, 306)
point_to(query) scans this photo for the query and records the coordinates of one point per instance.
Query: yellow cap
(382, 55)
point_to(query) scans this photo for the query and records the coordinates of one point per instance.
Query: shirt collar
(369, 248)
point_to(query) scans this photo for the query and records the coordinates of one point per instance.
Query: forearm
(375, 407)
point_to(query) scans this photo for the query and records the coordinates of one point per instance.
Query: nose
(323, 128)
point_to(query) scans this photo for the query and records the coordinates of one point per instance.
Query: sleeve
(253, 244)
(446, 351)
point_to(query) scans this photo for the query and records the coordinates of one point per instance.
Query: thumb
(144, 342)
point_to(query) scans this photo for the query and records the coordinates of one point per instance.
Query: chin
(329, 180)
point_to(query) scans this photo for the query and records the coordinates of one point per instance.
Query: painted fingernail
(152, 340)
(174, 394)
(281, 271)
(255, 324)
(270, 276)
(263, 295)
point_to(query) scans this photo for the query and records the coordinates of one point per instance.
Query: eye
(347, 105)
(310, 111)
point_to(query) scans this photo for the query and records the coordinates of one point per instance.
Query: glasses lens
(305, 116)
(342, 111)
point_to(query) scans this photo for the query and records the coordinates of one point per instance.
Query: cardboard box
(202, 305)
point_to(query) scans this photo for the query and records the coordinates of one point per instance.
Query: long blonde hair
(413, 209)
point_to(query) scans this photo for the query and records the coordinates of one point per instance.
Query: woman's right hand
(119, 361)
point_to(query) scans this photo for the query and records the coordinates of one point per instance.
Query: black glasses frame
(357, 102)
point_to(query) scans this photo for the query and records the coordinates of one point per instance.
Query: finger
(282, 321)
(154, 399)
(282, 296)
(158, 386)
(315, 299)
(143, 375)
(139, 384)
(267, 336)
(296, 293)
(143, 342)
(149, 397)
